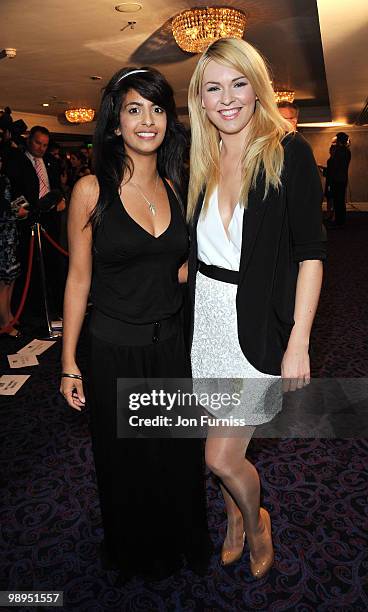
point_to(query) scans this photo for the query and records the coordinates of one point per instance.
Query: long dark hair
(110, 160)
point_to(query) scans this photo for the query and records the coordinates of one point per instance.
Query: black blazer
(278, 233)
(24, 181)
(23, 177)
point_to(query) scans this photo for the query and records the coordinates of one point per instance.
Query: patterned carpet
(316, 490)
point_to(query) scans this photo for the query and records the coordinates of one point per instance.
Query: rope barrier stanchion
(51, 333)
(19, 311)
(54, 243)
(36, 235)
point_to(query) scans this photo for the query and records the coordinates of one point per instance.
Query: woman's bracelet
(66, 375)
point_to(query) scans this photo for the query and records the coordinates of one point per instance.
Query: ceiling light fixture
(45, 104)
(195, 29)
(284, 95)
(80, 115)
(128, 7)
(9, 52)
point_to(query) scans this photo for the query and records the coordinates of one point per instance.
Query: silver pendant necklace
(151, 205)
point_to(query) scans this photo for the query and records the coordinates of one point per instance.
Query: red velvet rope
(5, 330)
(55, 244)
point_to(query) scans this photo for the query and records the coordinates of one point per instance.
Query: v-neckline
(219, 215)
(139, 225)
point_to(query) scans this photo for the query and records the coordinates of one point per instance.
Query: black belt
(220, 274)
(129, 334)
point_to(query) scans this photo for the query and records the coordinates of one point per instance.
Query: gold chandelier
(80, 115)
(284, 95)
(196, 28)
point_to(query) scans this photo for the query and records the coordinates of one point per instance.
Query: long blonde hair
(263, 151)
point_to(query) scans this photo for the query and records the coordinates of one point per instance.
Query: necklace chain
(151, 205)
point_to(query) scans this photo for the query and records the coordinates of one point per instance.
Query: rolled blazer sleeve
(304, 200)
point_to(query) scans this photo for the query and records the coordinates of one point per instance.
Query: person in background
(6, 122)
(54, 149)
(338, 177)
(87, 151)
(9, 264)
(31, 174)
(53, 161)
(35, 177)
(83, 150)
(326, 171)
(290, 112)
(5, 113)
(79, 167)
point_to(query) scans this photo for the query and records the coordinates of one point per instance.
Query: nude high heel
(262, 566)
(230, 555)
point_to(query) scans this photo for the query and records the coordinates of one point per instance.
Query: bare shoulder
(86, 192)
(87, 186)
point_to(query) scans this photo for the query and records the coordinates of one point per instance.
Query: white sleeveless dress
(218, 363)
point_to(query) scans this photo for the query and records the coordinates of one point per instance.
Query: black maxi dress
(151, 491)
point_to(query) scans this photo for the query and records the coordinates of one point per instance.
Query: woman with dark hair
(128, 241)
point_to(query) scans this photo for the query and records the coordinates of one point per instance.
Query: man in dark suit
(29, 174)
(34, 178)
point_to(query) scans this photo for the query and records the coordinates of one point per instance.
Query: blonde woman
(255, 268)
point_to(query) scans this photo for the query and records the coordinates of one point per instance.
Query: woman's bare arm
(295, 367)
(84, 198)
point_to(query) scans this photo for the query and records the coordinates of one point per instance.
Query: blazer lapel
(194, 223)
(253, 218)
(198, 210)
(192, 263)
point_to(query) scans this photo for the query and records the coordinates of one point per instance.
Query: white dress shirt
(45, 176)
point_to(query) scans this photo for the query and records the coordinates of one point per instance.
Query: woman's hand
(72, 390)
(22, 213)
(60, 206)
(295, 367)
